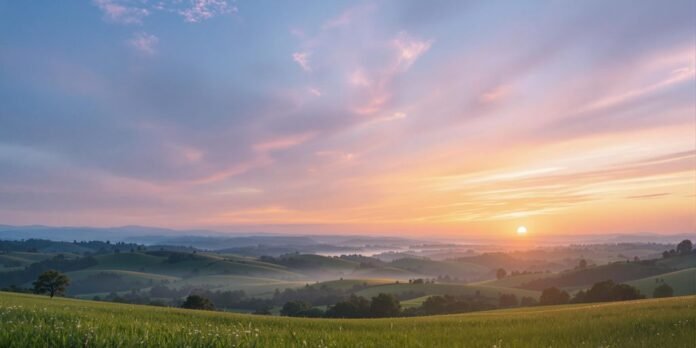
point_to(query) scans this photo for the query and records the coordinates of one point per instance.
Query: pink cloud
(359, 78)
(118, 13)
(315, 92)
(144, 43)
(302, 58)
(348, 16)
(409, 49)
(283, 142)
(205, 9)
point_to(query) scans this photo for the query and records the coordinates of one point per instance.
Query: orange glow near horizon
(344, 118)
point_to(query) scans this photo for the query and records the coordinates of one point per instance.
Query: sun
(521, 231)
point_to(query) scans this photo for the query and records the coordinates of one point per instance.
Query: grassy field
(34, 321)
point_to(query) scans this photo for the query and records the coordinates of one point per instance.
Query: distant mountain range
(216, 240)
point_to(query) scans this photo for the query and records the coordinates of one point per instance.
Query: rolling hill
(491, 292)
(29, 320)
(683, 282)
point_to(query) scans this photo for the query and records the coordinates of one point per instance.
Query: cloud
(283, 142)
(494, 94)
(302, 58)
(144, 43)
(348, 16)
(116, 12)
(192, 11)
(359, 78)
(409, 49)
(205, 9)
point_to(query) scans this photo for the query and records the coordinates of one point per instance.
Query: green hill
(619, 272)
(16, 260)
(491, 292)
(514, 281)
(463, 270)
(347, 284)
(187, 264)
(679, 261)
(683, 282)
(36, 321)
(253, 286)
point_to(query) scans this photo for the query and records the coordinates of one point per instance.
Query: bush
(300, 309)
(663, 290)
(507, 300)
(385, 305)
(294, 308)
(553, 296)
(198, 302)
(353, 307)
(528, 301)
(607, 291)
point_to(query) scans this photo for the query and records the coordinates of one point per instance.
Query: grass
(414, 302)
(34, 321)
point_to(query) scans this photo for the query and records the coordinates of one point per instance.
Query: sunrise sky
(452, 118)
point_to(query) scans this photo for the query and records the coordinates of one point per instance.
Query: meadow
(38, 321)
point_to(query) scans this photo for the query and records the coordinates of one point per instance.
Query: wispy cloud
(409, 49)
(302, 59)
(200, 10)
(144, 43)
(118, 12)
(283, 142)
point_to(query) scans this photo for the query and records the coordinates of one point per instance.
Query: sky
(450, 118)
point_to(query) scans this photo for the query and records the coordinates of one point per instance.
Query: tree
(385, 305)
(684, 247)
(527, 301)
(624, 292)
(600, 292)
(663, 290)
(508, 300)
(500, 273)
(606, 291)
(353, 307)
(198, 302)
(582, 264)
(553, 296)
(294, 308)
(51, 282)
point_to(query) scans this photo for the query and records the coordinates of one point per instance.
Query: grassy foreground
(37, 321)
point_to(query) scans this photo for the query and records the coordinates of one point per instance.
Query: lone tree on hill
(51, 282)
(500, 273)
(198, 302)
(663, 290)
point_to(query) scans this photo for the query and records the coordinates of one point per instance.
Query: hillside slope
(35, 321)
